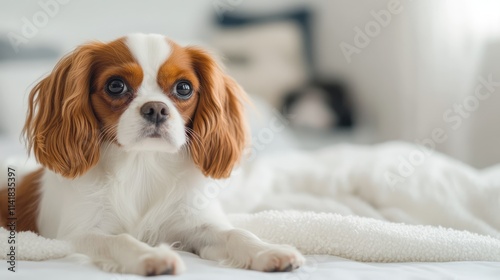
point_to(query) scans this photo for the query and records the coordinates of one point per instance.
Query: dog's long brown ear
(61, 128)
(218, 124)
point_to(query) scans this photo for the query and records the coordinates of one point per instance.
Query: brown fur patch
(70, 114)
(26, 203)
(179, 67)
(219, 127)
(113, 60)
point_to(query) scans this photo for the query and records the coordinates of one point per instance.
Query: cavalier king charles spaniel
(125, 132)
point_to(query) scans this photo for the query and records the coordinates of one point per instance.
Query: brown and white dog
(125, 132)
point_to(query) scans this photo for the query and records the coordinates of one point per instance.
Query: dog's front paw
(147, 261)
(161, 260)
(279, 258)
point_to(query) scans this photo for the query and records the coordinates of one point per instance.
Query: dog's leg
(125, 254)
(242, 249)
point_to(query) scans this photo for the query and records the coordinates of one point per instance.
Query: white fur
(139, 196)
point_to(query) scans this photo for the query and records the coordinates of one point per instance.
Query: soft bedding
(318, 267)
(374, 201)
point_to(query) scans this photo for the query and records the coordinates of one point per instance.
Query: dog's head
(140, 92)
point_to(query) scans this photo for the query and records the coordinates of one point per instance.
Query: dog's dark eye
(183, 90)
(116, 87)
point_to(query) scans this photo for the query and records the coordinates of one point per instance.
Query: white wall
(79, 21)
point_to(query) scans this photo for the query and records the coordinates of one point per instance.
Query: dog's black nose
(155, 112)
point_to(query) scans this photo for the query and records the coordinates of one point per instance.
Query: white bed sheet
(317, 267)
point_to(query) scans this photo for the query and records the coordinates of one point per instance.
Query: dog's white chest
(140, 195)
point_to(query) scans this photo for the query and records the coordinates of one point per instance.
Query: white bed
(318, 267)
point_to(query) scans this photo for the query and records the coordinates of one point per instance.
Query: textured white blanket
(352, 237)
(375, 201)
(366, 239)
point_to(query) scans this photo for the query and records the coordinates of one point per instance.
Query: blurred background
(320, 72)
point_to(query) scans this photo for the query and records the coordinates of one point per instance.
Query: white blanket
(393, 181)
(374, 202)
